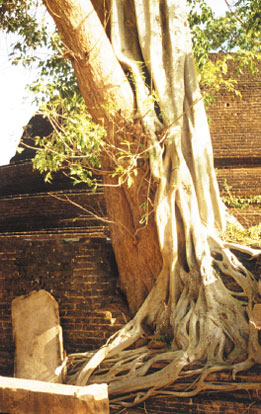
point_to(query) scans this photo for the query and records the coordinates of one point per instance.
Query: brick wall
(47, 243)
(235, 122)
(19, 179)
(46, 211)
(235, 126)
(79, 272)
(242, 183)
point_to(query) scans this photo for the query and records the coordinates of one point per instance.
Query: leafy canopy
(236, 35)
(75, 144)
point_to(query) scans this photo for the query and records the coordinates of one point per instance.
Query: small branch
(67, 199)
(228, 6)
(233, 12)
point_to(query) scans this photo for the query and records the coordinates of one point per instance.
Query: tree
(142, 87)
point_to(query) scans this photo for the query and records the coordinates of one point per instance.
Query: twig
(234, 13)
(67, 199)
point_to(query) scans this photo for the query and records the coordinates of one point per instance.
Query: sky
(16, 106)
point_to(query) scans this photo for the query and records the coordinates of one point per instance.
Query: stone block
(20, 396)
(38, 337)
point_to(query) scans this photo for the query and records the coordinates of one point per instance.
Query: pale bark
(206, 322)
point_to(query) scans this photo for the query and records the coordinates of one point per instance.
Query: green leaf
(19, 150)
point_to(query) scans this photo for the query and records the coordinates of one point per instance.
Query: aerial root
(229, 265)
(211, 333)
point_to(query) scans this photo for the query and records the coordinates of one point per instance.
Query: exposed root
(201, 305)
(211, 332)
(252, 252)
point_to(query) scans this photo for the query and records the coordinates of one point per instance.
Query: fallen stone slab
(38, 337)
(21, 396)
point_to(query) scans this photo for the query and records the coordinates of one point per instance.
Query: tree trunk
(176, 256)
(109, 99)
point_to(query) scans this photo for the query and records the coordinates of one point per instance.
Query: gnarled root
(210, 328)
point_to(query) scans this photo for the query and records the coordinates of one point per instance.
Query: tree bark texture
(110, 100)
(176, 260)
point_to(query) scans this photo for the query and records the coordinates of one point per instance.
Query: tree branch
(104, 220)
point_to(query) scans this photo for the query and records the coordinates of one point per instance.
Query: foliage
(38, 43)
(239, 202)
(238, 32)
(250, 236)
(242, 202)
(75, 143)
